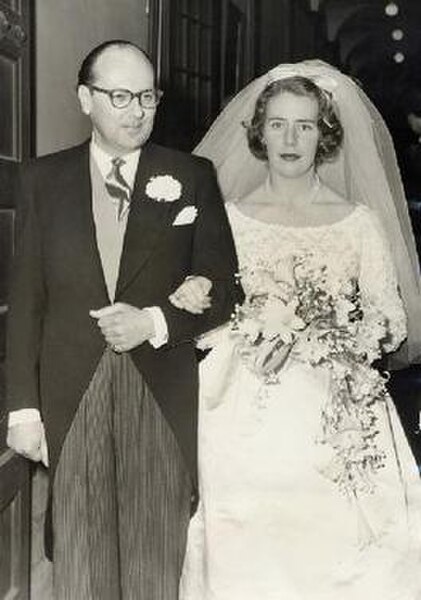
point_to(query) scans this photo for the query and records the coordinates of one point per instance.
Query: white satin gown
(270, 525)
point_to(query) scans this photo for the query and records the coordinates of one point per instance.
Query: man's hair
(328, 123)
(86, 74)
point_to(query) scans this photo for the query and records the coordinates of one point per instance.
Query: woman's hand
(193, 295)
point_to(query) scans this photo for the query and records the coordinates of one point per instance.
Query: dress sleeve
(378, 281)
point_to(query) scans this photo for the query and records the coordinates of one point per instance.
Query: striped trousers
(121, 494)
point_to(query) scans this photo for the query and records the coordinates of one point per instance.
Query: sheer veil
(365, 172)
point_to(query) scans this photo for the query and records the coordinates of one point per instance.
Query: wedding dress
(271, 525)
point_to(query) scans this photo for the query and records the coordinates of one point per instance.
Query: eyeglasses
(122, 98)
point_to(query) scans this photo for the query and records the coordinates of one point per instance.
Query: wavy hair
(328, 123)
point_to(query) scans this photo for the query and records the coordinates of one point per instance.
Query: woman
(308, 487)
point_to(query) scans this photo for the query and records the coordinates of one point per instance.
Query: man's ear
(85, 99)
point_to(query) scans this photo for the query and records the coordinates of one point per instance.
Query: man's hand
(28, 439)
(123, 326)
(193, 295)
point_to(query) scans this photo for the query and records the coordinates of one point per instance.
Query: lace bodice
(352, 248)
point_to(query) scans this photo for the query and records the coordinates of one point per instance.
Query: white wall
(65, 31)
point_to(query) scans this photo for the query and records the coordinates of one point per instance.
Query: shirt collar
(103, 162)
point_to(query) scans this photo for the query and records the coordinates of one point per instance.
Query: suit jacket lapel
(147, 220)
(81, 202)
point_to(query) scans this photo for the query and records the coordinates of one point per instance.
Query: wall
(65, 30)
(289, 32)
(275, 36)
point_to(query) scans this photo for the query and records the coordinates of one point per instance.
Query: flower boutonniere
(163, 188)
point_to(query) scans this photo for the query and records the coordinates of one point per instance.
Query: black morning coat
(54, 346)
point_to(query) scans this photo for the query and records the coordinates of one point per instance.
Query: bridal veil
(366, 172)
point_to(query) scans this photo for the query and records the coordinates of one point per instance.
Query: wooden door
(15, 509)
(15, 133)
(15, 146)
(186, 47)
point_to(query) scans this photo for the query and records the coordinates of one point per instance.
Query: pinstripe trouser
(121, 495)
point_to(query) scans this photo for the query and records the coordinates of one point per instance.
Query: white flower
(280, 319)
(343, 308)
(250, 328)
(163, 188)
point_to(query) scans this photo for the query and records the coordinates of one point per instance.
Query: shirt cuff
(160, 325)
(24, 415)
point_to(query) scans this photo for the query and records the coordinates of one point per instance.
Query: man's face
(119, 131)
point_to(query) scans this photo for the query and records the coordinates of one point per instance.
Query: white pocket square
(186, 216)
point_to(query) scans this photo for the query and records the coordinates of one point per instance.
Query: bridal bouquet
(325, 324)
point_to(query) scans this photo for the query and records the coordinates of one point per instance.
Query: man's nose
(137, 108)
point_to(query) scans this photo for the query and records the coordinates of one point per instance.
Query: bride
(308, 487)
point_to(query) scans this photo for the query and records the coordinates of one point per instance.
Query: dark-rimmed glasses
(121, 98)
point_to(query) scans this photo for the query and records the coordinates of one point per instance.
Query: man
(110, 229)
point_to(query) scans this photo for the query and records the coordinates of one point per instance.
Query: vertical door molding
(237, 46)
(15, 132)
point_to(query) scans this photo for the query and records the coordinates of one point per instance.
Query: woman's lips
(290, 156)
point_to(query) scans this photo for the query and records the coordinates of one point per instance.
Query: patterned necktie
(117, 186)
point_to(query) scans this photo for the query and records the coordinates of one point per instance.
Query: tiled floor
(41, 572)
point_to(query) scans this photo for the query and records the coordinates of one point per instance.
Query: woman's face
(291, 134)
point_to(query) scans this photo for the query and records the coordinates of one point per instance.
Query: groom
(102, 374)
